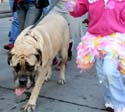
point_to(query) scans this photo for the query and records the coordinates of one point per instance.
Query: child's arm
(77, 7)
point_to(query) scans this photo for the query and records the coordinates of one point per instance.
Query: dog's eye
(29, 67)
(17, 67)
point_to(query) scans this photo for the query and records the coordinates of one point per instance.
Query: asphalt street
(81, 93)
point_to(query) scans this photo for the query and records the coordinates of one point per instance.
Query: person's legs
(33, 14)
(11, 4)
(107, 97)
(100, 74)
(14, 28)
(45, 10)
(14, 32)
(102, 79)
(109, 75)
(21, 13)
(114, 86)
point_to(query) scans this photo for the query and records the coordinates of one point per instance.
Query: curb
(5, 14)
(5, 11)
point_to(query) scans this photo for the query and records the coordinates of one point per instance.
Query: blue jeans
(11, 3)
(14, 28)
(45, 10)
(113, 81)
(14, 25)
(28, 14)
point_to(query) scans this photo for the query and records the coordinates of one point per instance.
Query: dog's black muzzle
(23, 79)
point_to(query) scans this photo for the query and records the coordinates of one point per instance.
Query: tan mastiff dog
(32, 55)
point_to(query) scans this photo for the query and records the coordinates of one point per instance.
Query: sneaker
(120, 110)
(8, 46)
(109, 107)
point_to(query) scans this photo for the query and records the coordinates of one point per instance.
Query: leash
(51, 7)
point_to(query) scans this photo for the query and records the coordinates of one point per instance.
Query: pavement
(81, 93)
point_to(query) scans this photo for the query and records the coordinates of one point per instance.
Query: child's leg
(102, 79)
(114, 87)
(100, 74)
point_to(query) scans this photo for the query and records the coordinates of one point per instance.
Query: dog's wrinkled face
(25, 67)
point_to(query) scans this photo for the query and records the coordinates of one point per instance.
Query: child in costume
(103, 44)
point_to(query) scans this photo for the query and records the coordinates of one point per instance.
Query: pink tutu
(92, 46)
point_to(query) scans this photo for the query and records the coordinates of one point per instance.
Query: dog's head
(25, 62)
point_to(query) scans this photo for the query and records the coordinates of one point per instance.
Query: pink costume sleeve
(80, 8)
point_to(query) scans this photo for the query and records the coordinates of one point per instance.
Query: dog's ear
(39, 56)
(9, 57)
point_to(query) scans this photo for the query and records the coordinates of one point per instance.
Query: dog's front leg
(48, 76)
(30, 106)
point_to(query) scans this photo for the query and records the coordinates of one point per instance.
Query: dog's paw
(61, 81)
(28, 107)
